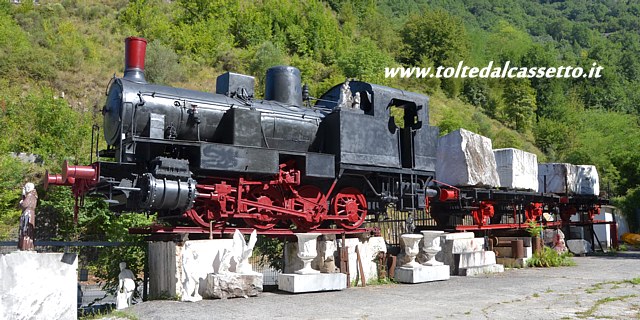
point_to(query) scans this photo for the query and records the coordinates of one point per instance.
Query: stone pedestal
(411, 271)
(230, 285)
(299, 283)
(308, 279)
(422, 274)
(467, 257)
(307, 251)
(368, 248)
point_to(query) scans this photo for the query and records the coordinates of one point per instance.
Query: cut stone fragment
(230, 285)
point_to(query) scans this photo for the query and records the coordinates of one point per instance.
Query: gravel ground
(598, 287)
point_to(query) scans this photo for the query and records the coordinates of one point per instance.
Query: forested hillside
(56, 59)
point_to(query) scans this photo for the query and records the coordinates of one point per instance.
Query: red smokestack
(134, 52)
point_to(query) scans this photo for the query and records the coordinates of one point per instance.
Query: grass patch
(548, 257)
(380, 282)
(115, 314)
(594, 288)
(536, 295)
(590, 312)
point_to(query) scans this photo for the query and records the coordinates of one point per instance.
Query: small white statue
(242, 252)
(346, 98)
(126, 286)
(356, 101)
(191, 281)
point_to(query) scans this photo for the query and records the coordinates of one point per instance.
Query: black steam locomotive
(230, 158)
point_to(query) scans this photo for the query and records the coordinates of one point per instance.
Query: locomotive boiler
(229, 158)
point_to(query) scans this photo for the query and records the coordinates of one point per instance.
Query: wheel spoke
(351, 203)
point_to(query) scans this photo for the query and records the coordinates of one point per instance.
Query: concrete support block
(451, 248)
(299, 283)
(475, 259)
(422, 274)
(475, 271)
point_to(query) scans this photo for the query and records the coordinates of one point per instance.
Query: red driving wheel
(203, 215)
(350, 202)
(264, 219)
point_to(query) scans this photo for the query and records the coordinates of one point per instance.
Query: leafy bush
(272, 249)
(162, 65)
(549, 257)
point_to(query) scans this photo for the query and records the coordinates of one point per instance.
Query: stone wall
(38, 285)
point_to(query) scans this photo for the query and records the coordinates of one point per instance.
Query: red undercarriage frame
(264, 204)
(260, 204)
(483, 211)
(275, 204)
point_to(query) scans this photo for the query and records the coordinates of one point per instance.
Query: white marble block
(422, 274)
(475, 271)
(475, 259)
(299, 283)
(464, 158)
(587, 180)
(560, 178)
(458, 235)
(38, 285)
(568, 178)
(517, 169)
(464, 245)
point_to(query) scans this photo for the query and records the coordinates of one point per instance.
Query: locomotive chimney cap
(134, 54)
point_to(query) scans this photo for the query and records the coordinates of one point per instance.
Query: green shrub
(549, 257)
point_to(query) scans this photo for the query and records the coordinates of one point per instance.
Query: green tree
(520, 104)
(437, 35)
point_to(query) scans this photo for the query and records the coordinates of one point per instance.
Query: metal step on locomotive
(230, 159)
